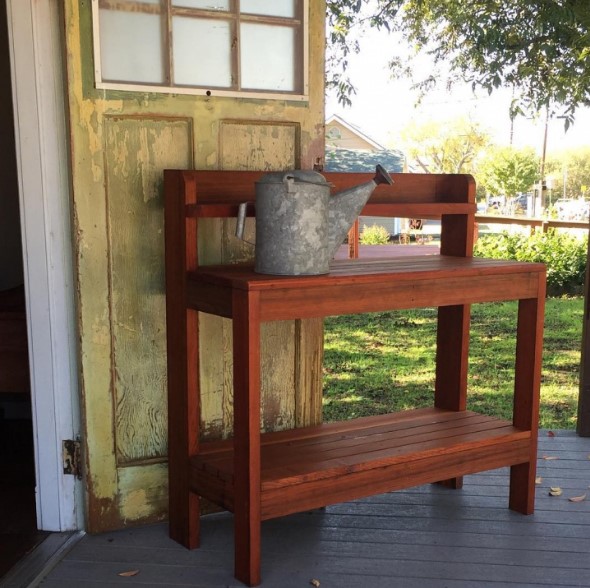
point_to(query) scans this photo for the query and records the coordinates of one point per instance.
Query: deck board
(423, 537)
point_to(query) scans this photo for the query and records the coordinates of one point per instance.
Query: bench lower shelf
(312, 467)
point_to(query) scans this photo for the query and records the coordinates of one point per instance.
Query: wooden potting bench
(262, 476)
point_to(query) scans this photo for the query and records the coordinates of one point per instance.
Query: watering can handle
(241, 220)
(291, 182)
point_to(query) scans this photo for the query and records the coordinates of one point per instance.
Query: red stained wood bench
(261, 476)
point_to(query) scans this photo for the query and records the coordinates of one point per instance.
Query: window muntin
(220, 47)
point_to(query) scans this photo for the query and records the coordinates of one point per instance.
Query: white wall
(37, 74)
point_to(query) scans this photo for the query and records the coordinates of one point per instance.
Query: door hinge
(71, 457)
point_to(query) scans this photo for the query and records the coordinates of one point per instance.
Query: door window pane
(131, 47)
(267, 57)
(249, 46)
(201, 49)
(203, 4)
(284, 8)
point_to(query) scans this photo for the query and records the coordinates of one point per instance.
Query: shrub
(374, 235)
(564, 255)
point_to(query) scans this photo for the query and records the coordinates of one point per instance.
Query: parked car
(522, 202)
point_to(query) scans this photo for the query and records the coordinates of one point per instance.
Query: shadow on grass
(385, 362)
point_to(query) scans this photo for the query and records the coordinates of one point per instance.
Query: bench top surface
(371, 271)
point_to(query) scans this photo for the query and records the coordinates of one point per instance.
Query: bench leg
(453, 483)
(527, 384)
(247, 516)
(184, 524)
(452, 354)
(183, 426)
(247, 550)
(522, 488)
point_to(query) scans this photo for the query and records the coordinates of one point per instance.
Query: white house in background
(348, 149)
(341, 133)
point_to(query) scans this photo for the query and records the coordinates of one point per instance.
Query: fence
(533, 223)
(492, 219)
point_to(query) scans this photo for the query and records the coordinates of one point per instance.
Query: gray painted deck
(424, 537)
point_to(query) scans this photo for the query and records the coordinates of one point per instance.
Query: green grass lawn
(384, 362)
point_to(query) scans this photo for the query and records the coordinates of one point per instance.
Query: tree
(539, 48)
(445, 147)
(573, 166)
(508, 171)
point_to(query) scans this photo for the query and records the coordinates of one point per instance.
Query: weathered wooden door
(121, 141)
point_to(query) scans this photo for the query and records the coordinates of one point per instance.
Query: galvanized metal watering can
(299, 225)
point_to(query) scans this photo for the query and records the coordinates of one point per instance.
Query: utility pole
(543, 157)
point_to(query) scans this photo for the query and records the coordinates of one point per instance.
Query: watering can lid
(297, 175)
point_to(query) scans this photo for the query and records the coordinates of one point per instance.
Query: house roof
(353, 129)
(355, 160)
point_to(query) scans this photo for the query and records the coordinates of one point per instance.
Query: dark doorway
(18, 525)
(18, 522)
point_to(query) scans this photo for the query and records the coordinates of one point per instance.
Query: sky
(382, 107)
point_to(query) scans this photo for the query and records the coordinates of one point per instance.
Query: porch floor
(423, 537)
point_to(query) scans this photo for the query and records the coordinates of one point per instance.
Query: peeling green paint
(120, 143)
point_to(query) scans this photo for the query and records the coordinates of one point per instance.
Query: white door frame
(38, 82)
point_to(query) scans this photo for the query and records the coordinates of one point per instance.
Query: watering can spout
(345, 207)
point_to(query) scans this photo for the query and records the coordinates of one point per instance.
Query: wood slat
(391, 295)
(366, 271)
(304, 441)
(367, 286)
(234, 187)
(214, 209)
(340, 429)
(310, 453)
(368, 449)
(396, 442)
(402, 474)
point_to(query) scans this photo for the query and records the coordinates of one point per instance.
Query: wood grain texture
(309, 361)
(244, 145)
(312, 467)
(212, 329)
(451, 194)
(136, 151)
(259, 145)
